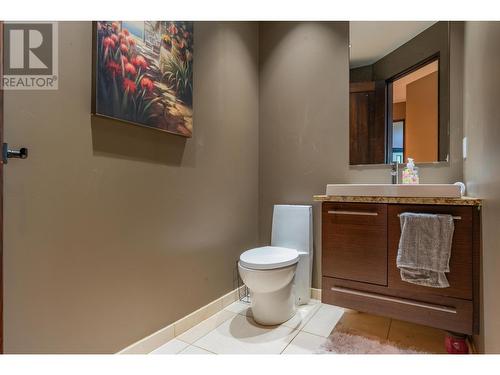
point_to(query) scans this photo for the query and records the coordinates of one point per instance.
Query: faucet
(395, 172)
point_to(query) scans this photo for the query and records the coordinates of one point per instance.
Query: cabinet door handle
(360, 213)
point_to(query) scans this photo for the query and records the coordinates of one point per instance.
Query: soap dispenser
(410, 173)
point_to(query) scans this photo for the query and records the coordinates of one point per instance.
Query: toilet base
(273, 308)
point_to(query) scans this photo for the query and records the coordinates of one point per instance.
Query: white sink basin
(387, 190)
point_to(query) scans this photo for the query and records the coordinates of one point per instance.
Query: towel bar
(454, 217)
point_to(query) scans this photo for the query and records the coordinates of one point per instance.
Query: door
(367, 123)
(355, 242)
(460, 276)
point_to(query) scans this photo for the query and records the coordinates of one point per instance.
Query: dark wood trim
(1, 191)
(476, 267)
(361, 86)
(93, 65)
(415, 67)
(388, 123)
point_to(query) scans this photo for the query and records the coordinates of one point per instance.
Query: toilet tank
(292, 228)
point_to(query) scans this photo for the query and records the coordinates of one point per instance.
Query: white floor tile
(201, 329)
(241, 335)
(303, 315)
(305, 343)
(191, 349)
(172, 347)
(324, 320)
(240, 307)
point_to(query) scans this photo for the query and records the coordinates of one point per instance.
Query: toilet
(279, 276)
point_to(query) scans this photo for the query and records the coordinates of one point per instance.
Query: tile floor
(233, 331)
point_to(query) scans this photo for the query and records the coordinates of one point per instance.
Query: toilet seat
(268, 258)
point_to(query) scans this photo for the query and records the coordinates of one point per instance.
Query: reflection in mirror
(399, 95)
(415, 108)
(398, 143)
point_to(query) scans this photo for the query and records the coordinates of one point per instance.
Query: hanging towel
(425, 248)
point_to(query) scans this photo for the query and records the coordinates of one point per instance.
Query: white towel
(425, 248)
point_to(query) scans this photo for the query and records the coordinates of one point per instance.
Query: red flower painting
(129, 85)
(144, 73)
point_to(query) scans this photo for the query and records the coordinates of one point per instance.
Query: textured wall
(113, 231)
(482, 167)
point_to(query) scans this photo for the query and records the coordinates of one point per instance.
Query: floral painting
(144, 73)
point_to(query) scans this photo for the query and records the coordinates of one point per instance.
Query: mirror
(398, 92)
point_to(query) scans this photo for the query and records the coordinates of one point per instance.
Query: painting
(143, 73)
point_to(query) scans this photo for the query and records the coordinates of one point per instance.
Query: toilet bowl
(268, 273)
(279, 276)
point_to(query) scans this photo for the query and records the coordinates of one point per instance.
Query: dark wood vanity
(360, 239)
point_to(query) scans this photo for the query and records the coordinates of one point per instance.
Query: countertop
(464, 201)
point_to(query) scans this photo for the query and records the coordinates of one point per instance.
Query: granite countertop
(464, 201)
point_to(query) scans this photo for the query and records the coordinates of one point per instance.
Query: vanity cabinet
(359, 250)
(355, 242)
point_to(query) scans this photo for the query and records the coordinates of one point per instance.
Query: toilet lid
(269, 257)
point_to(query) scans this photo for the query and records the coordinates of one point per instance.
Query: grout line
(388, 330)
(199, 347)
(217, 326)
(244, 312)
(293, 338)
(312, 316)
(182, 348)
(315, 334)
(325, 337)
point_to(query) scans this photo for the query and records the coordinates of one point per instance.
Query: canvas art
(144, 73)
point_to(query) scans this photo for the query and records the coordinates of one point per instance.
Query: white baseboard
(162, 336)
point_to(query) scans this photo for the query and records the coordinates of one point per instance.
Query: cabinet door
(355, 242)
(460, 275)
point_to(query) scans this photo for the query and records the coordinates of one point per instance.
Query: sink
(388, 190)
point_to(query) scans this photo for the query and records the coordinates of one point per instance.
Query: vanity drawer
(355, 242)
(461, 273)
(355, 213)
(453, 314)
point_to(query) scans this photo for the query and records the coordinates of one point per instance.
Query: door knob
(7, 153)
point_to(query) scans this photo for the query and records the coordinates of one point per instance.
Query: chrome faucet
(395, 172)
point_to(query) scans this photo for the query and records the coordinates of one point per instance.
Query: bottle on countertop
(410, 173)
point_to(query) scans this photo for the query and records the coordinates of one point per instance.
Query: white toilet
(269, 271)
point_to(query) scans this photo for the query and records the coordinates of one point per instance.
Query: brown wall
(482, 167)
(421, 125)
(304, 120)
(114, 231)
(398, 111)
